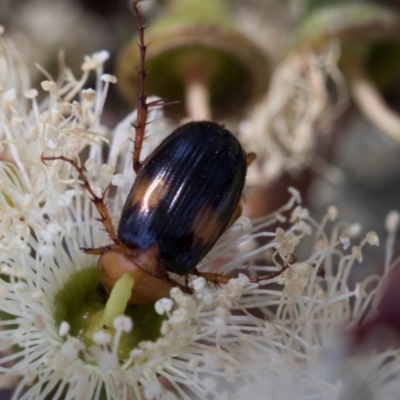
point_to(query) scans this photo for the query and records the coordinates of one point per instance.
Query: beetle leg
(98, 202)
(95, 251)
(142, 108)
(272, 275)
(172, 282)
(250, 158)
(219, 279)
(120, 247)
(143, 105)
(213, 277)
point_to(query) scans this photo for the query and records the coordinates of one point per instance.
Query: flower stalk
(369, 99)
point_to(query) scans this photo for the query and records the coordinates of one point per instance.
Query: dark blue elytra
(185, 194)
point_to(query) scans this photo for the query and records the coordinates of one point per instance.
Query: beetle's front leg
(98, 202)
(97, 251)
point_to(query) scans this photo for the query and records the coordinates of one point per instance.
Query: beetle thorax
(149, 282)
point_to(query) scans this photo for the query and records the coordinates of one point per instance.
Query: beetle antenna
(142, 107)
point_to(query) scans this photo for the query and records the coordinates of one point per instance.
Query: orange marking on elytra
(206, 225)
(148, 193)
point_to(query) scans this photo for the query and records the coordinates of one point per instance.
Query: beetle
(185, 195)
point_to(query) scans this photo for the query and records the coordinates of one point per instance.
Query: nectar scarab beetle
(186, 194)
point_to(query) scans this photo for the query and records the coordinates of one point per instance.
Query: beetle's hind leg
(270, 276)
(98, 202)
(221, 279)
(172, 282)
(217, 279)
(286, 264)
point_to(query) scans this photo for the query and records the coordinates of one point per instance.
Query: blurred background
(332, 147)
(312, 86)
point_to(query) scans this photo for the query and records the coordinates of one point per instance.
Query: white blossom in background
(283, 128)
(270, 339)
(12, 68)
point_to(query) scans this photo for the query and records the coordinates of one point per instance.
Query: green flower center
(80, 304)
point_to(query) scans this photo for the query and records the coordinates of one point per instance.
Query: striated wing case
(185, 195)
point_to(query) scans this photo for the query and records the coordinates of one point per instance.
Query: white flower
(254, 337)
(47, 281)
(283, 127)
